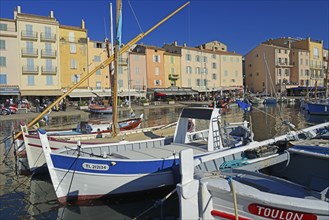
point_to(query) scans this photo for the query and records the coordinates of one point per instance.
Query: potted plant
(144, 101)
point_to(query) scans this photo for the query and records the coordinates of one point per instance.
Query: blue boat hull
(318, 108)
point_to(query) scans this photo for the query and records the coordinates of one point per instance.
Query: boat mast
(101, 66)
(115, 127)
(326, 95)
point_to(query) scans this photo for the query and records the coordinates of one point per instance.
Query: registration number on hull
(93, 166)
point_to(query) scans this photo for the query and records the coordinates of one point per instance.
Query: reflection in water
(21, 197)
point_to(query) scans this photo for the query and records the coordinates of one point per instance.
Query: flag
(119, 26)
(244, 106)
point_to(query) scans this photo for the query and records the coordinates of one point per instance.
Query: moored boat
(239, 191)
(100, 109)
(97, 171)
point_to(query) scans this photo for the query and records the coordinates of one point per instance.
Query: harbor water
(33, 197)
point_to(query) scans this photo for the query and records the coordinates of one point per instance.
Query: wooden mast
(101, 66)
(115, 126)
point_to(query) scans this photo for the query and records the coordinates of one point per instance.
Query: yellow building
(73, 55)
(172, 70)
(38, 56)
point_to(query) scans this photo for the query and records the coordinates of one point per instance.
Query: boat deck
(166, 151)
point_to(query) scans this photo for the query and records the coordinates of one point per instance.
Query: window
(286, 60)
(279, 72)
(205, 59)
(2, 61)
(197, 58)
(73, 48)
(29, 47)
(3, 78)
(172, 59)
(98, 85)
(232, 80)
(198, 82)
(306, 61)
(75, 78)
(98, 45)
(48, 32)
(2, 44)
(157, 71)
(286, 71)
(98, 72)
(231, 59)
(49, 65)
(71, 36)
(224, 58)
(157, 82)
(49, 80)
(3, 27)
(214, 65)
(316, 53)
(30, 80)
(48, 48)
(156, 58)
(120, 83)
(197, 70)
(74, 64)
(120, 70)
(301, 61)
(225, 73)
(188, 57)
(205, 70)
(172, 70)
(214, 56)
(97, 58)
(214, 76)
(29, 30)
(189, 69)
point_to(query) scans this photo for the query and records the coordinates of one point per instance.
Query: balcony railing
(173, 76)
(49, 53)
(46, 70)
(284, 64)
(30, 70)
(80, 40)
(123, 61)
(48, 37)
(29, 52)
(30, 35)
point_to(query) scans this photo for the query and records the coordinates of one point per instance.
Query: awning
(82, 94)
(175, 91)
(102, 93)
(41, 92)
(9, 90)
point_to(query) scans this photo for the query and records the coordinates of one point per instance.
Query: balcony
(29, 52)
(123, 61)
(32, 70)
(46, 70)
(48, 37)
(283, 64)
(173, 77)
(48, 53)
(29, 35)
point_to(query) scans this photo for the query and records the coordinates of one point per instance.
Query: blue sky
(241, 25)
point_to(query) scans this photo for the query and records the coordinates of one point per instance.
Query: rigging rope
(140, 28)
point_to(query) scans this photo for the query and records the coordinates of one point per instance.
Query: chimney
(52, 14)
(175, 43)
(184, 44)
(82, 24)
(18, 9)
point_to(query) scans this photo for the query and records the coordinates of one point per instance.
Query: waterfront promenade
(71, 111)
